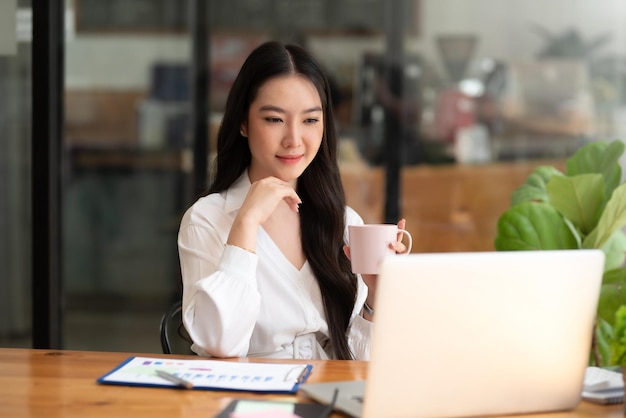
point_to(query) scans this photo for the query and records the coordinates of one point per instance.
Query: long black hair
(322, 212)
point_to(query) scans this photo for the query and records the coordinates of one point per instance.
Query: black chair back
(174, 336)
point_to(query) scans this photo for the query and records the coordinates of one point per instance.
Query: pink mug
(369, 244)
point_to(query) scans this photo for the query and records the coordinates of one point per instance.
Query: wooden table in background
(59, 383)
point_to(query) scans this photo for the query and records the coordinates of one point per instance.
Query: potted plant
(583, 207)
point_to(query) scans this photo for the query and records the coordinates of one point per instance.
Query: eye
(311, 121)
(272, 119)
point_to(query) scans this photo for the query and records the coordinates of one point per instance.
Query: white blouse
(240, 304)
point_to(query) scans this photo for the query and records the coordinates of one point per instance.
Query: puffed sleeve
(220, 298)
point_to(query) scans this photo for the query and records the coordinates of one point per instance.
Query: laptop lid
(467, 334)
(484, 333)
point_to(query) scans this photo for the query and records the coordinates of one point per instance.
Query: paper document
(208, 374)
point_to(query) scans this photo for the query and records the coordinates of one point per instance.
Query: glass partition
(15, 174)
(127, 109)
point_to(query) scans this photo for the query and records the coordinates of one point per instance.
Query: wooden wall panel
(448, 208)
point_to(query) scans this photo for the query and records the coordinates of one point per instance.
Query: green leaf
(604, 337)
(613, 218)
(612, 296)
(598, 157)
(533, 226)
(613, 276)
(534, 188)
(580, 199)
(618, 340)
(615, 251)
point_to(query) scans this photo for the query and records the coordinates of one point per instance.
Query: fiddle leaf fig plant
(581, 208)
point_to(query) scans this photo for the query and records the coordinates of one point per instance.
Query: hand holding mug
(371, 243)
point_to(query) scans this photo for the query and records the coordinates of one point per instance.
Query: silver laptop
(475, 334)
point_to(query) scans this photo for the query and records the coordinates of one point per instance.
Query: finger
(293, 203)
(401, 225)
(289, 195)
(264, 195)
(284, 191)
(398, 247)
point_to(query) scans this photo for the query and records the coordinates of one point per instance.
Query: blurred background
(443, 108)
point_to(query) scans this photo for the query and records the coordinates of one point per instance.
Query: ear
(243, 130)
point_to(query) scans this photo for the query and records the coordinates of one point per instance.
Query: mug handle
(408, 235)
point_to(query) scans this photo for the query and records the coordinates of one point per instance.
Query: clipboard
(209, 375)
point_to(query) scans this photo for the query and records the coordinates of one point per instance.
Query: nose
(293, 136)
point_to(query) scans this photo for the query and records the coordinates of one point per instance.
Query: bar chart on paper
(209, 374)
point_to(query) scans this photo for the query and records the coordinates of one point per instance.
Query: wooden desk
(51, 383)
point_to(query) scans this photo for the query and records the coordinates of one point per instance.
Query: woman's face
(284, 129)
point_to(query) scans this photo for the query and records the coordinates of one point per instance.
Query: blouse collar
(236, 194)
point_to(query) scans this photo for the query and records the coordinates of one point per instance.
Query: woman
(263, 257)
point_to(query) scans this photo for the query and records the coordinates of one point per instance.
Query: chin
(290, 173)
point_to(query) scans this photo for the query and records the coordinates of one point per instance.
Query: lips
(290, 159)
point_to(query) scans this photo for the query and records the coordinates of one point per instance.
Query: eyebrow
(272, 108)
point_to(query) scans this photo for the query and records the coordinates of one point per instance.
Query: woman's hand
(263, 198)
(398, 246)
(371, 280)
(261, 201)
